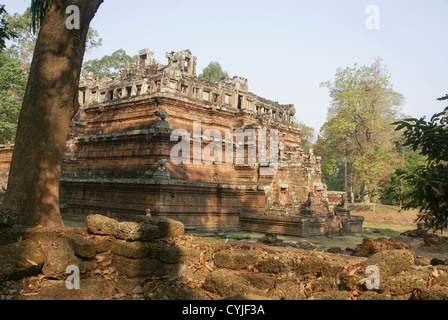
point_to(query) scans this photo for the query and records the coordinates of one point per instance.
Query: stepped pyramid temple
(158, 140)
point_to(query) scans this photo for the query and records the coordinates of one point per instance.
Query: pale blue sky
(286, 48)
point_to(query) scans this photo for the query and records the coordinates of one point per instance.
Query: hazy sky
(286, 48)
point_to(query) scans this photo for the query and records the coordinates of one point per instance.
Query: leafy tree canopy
(6, 32)
(213, 73)
(12, 88)
(108, 66)
(429, 183)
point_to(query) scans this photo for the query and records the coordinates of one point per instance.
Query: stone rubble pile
(168, 264)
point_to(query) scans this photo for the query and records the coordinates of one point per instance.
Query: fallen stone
(227, 284)
(334, 250)
(272, 265)
(168, 228)
(288, 290)
(316, 266)
(327, 283)
(333, 294)
(431, 293)
(391, 262)
(101, 225)
(310, 265)
(373, 295)
(145, 228)
(370, 246)
(236, 259)
(58, 256)
(402, 284)
(83, 247)
(260, 281)
(138, 267)
(19, 260)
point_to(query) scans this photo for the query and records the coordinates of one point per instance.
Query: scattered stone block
(145, 228)
(272, 265)
(333, 294)
(101, 225)
(58, 256)
(391, 262)
(236, 259)
(370, 246)
(168, 228)
(402, 284)
(227, 284)
(83, 247)
(431, 293)
(288, 290)
(260, 281)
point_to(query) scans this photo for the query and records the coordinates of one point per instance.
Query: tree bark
(50, 102)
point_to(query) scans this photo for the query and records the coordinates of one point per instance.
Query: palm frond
(38, 10)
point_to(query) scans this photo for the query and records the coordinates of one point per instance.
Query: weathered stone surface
(186, 265)
(402, 284)
(260, 281)
(82, 246)
(288, 290)
(168, 228)
(431, 293)
(373, 295)
(370, 246)
(138, 267)
(227, 284)
(314, 265)
(327, 283)
(101, 225)
(333, 294)
(21, 259)
(144, 229)
(391, 262)
(58, 256)
(236, 259)
(272, 265)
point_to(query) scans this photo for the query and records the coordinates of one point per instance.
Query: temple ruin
(119, 155)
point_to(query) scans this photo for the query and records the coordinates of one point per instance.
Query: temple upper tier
(147, 77)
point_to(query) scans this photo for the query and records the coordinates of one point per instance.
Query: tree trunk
(345, 176)
(352, 194)
(50, 102)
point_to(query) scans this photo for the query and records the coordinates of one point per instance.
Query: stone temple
(119, 159)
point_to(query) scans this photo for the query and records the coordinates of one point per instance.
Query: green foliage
(358, 137)
(6, 32)
(395, 187)
(332, 168)
(429, 183)
(213, 73)
(107, 66)
(307, 135)
(93, 40)
(373, 168)
(12, 88)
